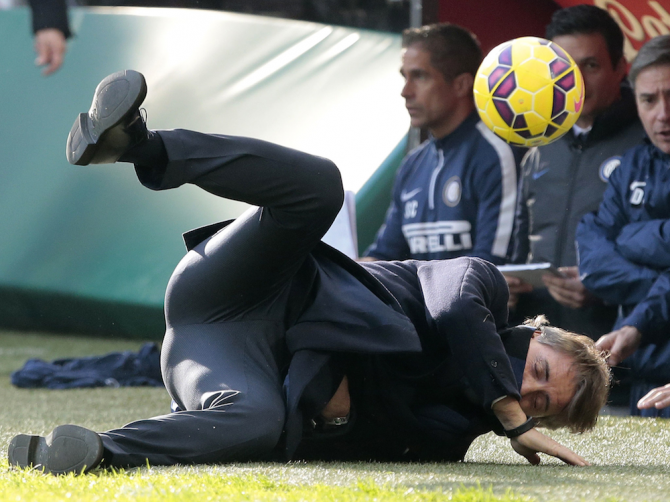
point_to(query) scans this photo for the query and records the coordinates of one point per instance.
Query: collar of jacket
(516, 341)
(455, 135)
(654, 152)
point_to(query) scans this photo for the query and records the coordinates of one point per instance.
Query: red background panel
(495, 21)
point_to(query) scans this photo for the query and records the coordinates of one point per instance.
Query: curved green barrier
(87, 249)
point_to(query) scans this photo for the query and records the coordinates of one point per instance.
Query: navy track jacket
(453, 197)
(624, 249)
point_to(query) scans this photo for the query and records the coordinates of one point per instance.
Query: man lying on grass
(278, 346)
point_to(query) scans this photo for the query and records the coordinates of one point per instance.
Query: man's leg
(298, 196)
(226, 301)
(226, 378)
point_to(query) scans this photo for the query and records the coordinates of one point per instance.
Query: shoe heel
(21, 452)
(72, 449)
(68, 448)
(81, 141)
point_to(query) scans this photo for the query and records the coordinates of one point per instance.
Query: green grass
(630, 457)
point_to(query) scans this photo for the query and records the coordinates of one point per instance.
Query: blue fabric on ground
(118, 369)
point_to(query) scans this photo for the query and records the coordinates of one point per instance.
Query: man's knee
(324, 195)
(333, 193)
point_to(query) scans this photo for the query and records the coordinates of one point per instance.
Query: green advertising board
(88, 249)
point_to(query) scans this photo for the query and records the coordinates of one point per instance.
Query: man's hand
(620, 343)
(530, 443)
(509, 413)
(50, 47)
(657, 398)
(568, 290)
(516, 287)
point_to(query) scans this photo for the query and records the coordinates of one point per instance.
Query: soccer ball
(529, 91)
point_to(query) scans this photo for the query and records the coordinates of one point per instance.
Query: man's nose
(664, 110)
(406, 90)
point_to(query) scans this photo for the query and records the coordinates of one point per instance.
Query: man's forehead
(416, 61)
(562, 371)
(653, 79)
(556, 360)
(583, 46)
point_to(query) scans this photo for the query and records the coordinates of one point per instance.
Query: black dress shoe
(68, 448)
(113, 124)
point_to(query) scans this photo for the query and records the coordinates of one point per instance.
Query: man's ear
(536, 333)
(463, 84)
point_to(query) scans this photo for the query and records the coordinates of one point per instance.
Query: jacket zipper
(560, 245)
(433, 178)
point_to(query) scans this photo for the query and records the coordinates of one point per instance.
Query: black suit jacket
(425, 343)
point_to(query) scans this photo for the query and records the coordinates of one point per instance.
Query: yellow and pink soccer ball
(529, 91)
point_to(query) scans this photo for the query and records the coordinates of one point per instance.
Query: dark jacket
(560, 183)
(453, 196)
(419, 340)
(624, 249)
(563, 181)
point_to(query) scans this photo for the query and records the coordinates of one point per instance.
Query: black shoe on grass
(68, 448)
(113, 124)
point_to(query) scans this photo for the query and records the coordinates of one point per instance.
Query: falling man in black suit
(279, 347)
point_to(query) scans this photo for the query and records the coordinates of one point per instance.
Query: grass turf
(630, 457)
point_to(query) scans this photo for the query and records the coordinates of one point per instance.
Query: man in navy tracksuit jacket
(624, 258)
(454, 195)
(624, 249)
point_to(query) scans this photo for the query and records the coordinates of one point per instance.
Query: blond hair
(592, 377)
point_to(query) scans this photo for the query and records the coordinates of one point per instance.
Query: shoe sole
(125, 90)
(68, 448)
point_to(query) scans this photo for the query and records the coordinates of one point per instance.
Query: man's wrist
(509, 413)
(521, 429)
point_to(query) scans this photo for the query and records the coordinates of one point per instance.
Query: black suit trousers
(226, 304)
